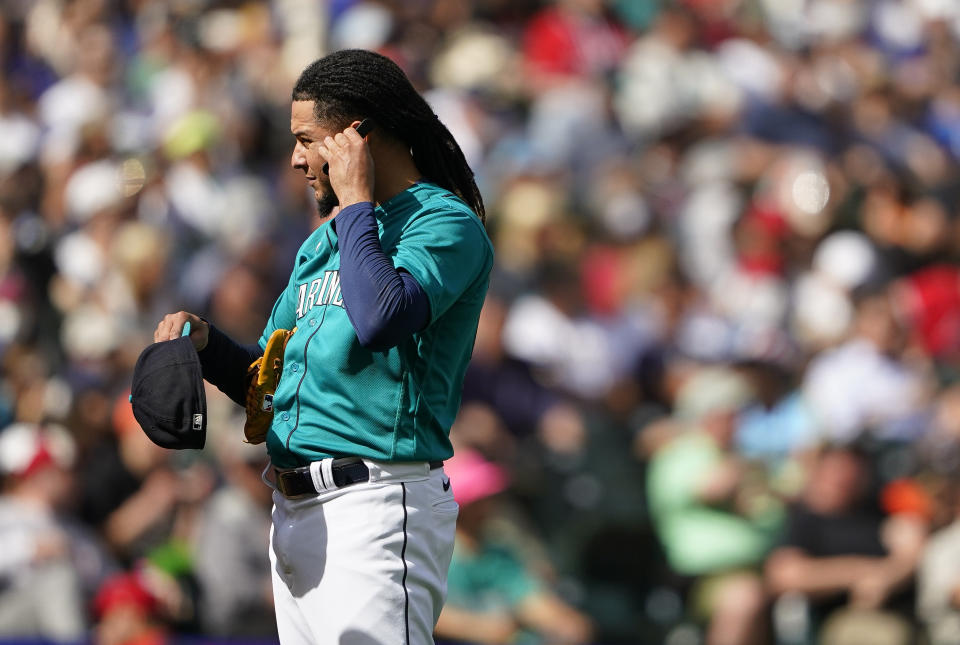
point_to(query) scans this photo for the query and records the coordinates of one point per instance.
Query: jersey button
(313, 321)
(295, 367)
(285, 416)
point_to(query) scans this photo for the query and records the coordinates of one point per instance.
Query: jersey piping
(306, 357)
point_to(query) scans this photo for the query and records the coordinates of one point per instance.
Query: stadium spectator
(231, 565)
(855, 566)
(42, 595)
(129, 489)
(865, 383)
(493, 596)
(938, 578)
(127, 612)
(713, 514)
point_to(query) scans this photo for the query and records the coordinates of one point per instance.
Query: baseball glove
(263, 376)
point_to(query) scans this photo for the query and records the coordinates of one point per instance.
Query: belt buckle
(282, 476)
(281, 486)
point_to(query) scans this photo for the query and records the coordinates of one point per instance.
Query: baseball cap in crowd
(474, 477)
(27, 448)
(124, 590)
(711, 390)
(167, 395)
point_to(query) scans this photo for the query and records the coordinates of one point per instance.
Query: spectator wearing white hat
(40, 594)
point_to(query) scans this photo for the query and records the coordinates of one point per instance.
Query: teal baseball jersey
(338, 399)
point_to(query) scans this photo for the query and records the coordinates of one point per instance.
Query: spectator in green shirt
(711, 511)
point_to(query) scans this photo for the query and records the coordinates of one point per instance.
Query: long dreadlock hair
(354, 84)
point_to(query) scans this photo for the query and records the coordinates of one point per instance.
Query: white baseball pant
(365, 564)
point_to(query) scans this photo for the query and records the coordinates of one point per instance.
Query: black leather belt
(346, 471)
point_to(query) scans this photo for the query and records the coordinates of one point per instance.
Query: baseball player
(356, 380)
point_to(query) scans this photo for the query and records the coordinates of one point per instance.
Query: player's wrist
(351, 199)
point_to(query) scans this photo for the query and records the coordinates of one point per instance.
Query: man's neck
(395, 174)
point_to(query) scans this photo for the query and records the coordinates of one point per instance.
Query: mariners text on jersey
(324, 290)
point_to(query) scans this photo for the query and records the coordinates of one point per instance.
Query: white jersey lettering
(323, 287)
(320, 291)
(314, 289)
(333, 294)
(303, 294)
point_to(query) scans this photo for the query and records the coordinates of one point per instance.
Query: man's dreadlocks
(354, 84)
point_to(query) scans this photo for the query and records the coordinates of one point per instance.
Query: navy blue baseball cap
(167, 395)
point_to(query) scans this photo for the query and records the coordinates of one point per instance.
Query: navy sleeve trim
(384, 305)
(224, 363)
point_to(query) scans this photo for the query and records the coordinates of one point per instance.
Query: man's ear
(364, 127)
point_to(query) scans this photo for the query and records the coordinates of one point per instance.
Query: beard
(326, 204)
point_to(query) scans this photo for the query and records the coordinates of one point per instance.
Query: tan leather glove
(263, 376)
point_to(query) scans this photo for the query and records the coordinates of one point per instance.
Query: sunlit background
(714, 397)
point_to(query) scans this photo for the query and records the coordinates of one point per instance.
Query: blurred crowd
(715, 394)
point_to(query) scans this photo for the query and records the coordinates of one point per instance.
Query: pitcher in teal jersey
(385, 296)
(336, 398)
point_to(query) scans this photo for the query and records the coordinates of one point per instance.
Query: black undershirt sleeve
(224, 363)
